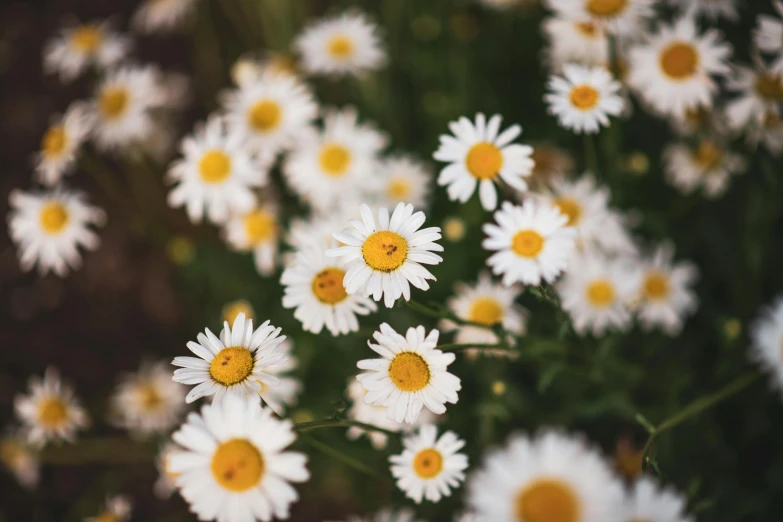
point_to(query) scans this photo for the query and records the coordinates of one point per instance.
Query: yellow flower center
(770, 87)
(548, 500)
(398, 189)
(54, 141)
(265, 115)
(484, 160)
(260, 226)
(107, 517)
(527, 243)
(340, 47)
(656, 286)
(112, 102)
(214, 166)
(584, 97)
(233, 309)
(600, 293)
(409, 371)
(486, 310)
(54, 218)
(606, 7)
(237, 465)
(12, 453)
(679, 60)
(328, 285)
(334, 159)
(707, 155)
(428, 463)
(86, 38)
(149, 396)
(52, 412)
(571, 208)
(232, 365)
(385, 251)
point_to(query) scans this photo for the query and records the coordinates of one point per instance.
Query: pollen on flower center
(232, 365)
(656, 286)
(53, 218)
(52, 412)
(584, 97)
(334, 159)
(547, 500)
(486, 310)
(112, 102)
(149, 396)
(340, 47)
(600, 293)
(328, 285)
(385, 251)
(679, 60)
(428, 463)
(409, 371)
(527, 243)
(214, 166)
(484, 160)
(237, 465)
(86, 38)
(571, 208)
(606, 7)
(260, 226)
(54, 141)
(707, 155)
(770, 87)
(265, 115)
(398, 189)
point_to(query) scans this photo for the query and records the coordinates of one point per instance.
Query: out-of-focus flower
(648, 501)
(453, 229)
(767, 335)
(160, 16)
(61, 142)
(584, 98)
(257, 231)
(78, 47)
(760, 93)
(232, 309)
(285, 393)
(710, 9)
(575, 41)
(709, 166)
(166, 483)
(19, 458)
(768, 35)
(623, 17)
(768, 132)
(118, 509)
(550, 163)
(404, 180)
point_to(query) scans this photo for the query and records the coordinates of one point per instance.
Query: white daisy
(257, 231)
(708, 166)
(78, 47)
(701, 120)
(251, 67)
(50, 412)
(429, 466)
(273, 111)
(648, 501)
(404, 180)
(768, 35)
(768, 132)
(550, 163)
(61, 143)
(216, 174)
(234, 466)
(238, 363)
(575, 41)
(341, 45)
(326, 167)
(710, 9)
(166, 483)
(387, 259)
(665, 292)
(478, 154)
(543, 479)
(411, 373)
(49, 227)
(760, 93)
(672, 71)
(20, 459)
(286, 392)
(767, 347)
(584, 98)
(313, 285)
(532, 243)
(148, 402)
(118, 509)
(624, 17)
(160, 16)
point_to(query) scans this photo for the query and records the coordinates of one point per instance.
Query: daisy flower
(760, 92)
(384, 261)
(666, 293)
(148, 402)
(584, 98)
(49, 227)
(550, 163)
(161, 16)
(429, 466)
(318, 228)
(708, 166)
(479, 154)
(60, 144)
(574, 41)
(767, 335)
(50, 412)
(286, 392)
(404, 180)
(647, 501)
(78, 47)
(272, 111)
(166, 483)
(710, 9)
(313, 285)
(597, 294)
(251, 67)
(256, 231)
(768, 35)
(118, 509)
(234, 465)
(672, 71)
(341, 45)
(531, 243)
(623, 17)
(240, 363)
(217, 173)
(767, 132)
(326, 167)
(549, 477)
(20, 459)
(411, 373)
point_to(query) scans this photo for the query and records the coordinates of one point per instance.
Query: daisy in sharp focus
(161, 16)
(532, 243)
(257, 231)
(60, 144)
(623, 17)
(217, 173)
(708, 166)
(767, 346)
(234, 465)
(648, 501)
(118, 509)
(584, 98)
(760, 93)
(341, 45)
(673, 70)
(429, 466)
(50, 412)
(384, 260)
(479, 154)
(78, 47)
(285, 394)
(236, 364)
(768, 35)
(710, 9)
(411, 373)
(574, 41)
(20, 459)
(404, 180)
(551, 477)
(49, 227)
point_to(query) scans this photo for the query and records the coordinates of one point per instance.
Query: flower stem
(339, 423)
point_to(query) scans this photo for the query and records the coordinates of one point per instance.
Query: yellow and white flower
(647, 501)
(710, 9)
(760, 95)
(479, 154)
(60, 144)
(551, 162)
(531, 243)
(234, 465)
(251, 67)
(584, 98)
(575, 41)
(767, 335)
(384, 260)
(623, 17)
(429, 466)
(239, 363)
(341, 45)
(49, 227)
(161, 16)
(286, 392)
(549, 477)
(257, 231)
(118, 509)
(708, 166)
(20, 458)
(768, 35)
(51, 411)
(403, 180)
(78, 47)
(410, 374)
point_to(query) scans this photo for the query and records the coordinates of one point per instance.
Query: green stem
(337, 423)
(98, 171)
(345, 459)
